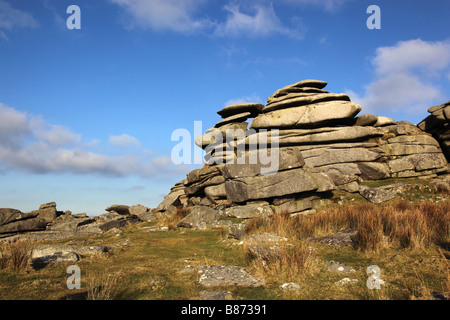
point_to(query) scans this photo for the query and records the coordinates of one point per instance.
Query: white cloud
(29, 143)
(173, 15)
(124, 141)
(11, 18)
(183, 16)
(264, 22)
(406, 77)
(13, 127)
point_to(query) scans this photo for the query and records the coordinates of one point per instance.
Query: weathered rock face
(13, 221)
(438, 124)
(40, 224)
(278, 184)
(199, 217)
(305, 143)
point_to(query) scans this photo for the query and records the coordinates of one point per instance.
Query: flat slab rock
(342, 238)
(217, 276)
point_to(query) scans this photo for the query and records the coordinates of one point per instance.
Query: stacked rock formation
(438, 124)
(305, 143)
(219, 141)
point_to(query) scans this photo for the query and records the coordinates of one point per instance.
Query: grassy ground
(407, 241)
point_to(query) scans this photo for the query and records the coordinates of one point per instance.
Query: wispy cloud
(29, 143)
(124, 141)
(407, 77)
(172, 15)
(11, 18)
(259, 21)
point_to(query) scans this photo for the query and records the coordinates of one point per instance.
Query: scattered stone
(346, 281)
(339, 267)
(187, 269)
(237, 231)
(290, 286)
(157, 229)
(342, 238)
(218, 276)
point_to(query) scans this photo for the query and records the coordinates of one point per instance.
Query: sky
(87, 114)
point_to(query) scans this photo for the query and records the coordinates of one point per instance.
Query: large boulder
(253, 163)
(48, 212)
(13, 221)
(252, 108)
(252, 210)
(142, 212)
(119, 208)
(303, 100)
(278, 184)
(199, 217)
(324, 135)
(307, 116)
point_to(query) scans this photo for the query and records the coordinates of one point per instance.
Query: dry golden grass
(408, 225)
(101, 286)
(172, 221)
(289, 263)
(15, 255)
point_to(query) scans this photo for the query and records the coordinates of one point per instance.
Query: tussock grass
(290, 263)
(172, 221)
(399, 223)
(15, 255)
(101, 286)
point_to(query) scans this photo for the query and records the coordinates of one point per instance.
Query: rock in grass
(342, 238)
(376, 195)
(218, 276)
(290, 286)
(339, 267)
(346, 281)
(199, 217)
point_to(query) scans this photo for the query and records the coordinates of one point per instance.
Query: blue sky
(86, 116)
